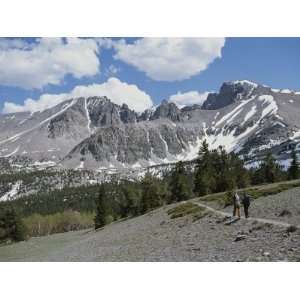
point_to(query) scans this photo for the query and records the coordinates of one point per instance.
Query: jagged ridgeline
(94, 133)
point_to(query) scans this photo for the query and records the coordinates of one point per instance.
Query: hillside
(179, 232)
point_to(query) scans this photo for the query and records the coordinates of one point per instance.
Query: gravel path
(157, 237)
(260, 220)
(283, 207)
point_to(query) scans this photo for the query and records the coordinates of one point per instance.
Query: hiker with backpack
(246, 203)
(236, 205)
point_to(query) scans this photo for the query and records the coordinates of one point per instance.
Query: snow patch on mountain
(12, 193)
(271, 107)
(295, 135)
(245, 82)
(165, 143)
(81, 166)
(12, 153)
(87, 116)
(43, 164)
(286, 91)
(228, 121)
(234, 111)
(192, 151)
(250, 114)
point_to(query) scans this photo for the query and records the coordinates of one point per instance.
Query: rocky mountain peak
(167, 110)
(230, 92)
(102, 112)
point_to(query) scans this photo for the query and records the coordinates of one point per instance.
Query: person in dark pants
(246, 204)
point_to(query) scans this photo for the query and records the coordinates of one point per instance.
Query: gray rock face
(102, 112)
(145, 115)
(167, 110)
(127, 115)
(230, 92)
(94, 133)
(67, 122)
(128, 144)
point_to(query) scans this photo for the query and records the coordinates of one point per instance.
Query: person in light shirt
(236, 205)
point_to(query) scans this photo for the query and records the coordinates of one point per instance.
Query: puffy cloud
(188, 98)
(117, 91)
(45, 101)
(46, 61)
(169, 59)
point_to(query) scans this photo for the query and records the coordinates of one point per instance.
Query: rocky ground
(157, 237)
(281, 207)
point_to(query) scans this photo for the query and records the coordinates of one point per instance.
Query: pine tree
(130, 203)
(223, 169)
(201, 184)
(20, 232)
(293, 170)
(239, 172)
(270, 169)
(179, 185)
(101, 208)
(204, 181)
(151, 193)
(12, 226)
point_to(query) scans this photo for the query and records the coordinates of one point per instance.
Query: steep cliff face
(102, 112)
(230, 92)
(140, 145)
(71, 122)
(95, 133)
(167, 110)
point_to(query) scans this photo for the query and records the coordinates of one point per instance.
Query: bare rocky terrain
(158, 237)
(96, 134)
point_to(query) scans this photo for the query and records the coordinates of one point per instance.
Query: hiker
(246, 203)
(236, 205)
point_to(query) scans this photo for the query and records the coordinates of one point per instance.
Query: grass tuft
(185, 209)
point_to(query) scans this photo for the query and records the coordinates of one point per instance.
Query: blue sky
(271, 61)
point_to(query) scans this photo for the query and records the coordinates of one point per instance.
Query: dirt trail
(261, 220)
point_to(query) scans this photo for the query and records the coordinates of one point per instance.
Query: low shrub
(185, 209)
(39, 225)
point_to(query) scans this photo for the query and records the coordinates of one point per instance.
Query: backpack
(247, 200)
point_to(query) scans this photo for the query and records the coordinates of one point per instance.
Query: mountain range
(95, 133)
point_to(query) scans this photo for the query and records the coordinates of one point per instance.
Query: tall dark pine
(12, 226)
(151, 193)
(101, 211)
(270, 168)
(204, 178)
(293, 171)
(130, 202)
(179, 185)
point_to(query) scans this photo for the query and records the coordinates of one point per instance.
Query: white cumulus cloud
(46, 61)
(188, 98)
(169, 59)
(117, 91)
